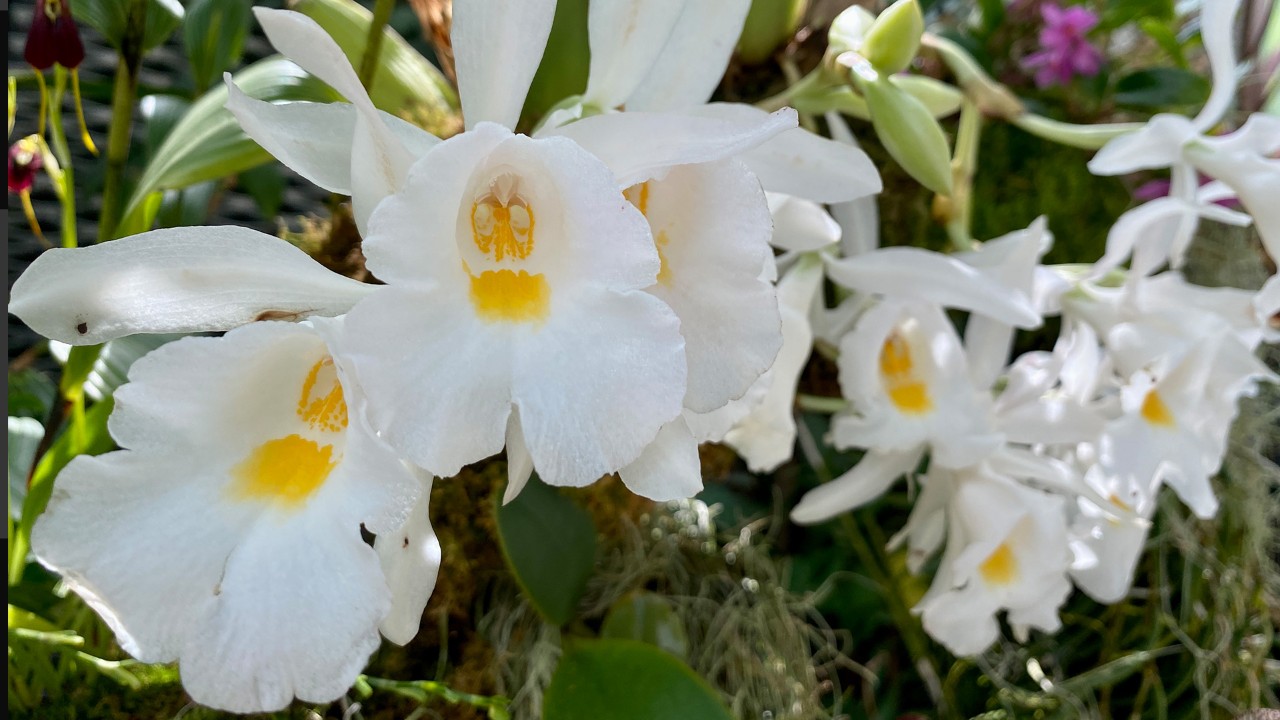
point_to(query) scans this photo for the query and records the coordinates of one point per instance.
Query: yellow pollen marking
(502, 229)
(664, 271)
(1000, 567)
(1154, 410)
(638, 195)
(906, 390)
(505, 295)
(284, 471)
(322, 404)
(1115, 500)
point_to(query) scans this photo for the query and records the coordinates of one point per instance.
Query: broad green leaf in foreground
(208, 144)
(549, 543)
(627, 680)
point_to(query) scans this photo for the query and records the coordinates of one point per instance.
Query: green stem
(373, 46)
(58, 144)
(820, 404)
(908, 626)
(123, 97)
(963, 165)
(424, 690)
(1085, 137)
(817, 80)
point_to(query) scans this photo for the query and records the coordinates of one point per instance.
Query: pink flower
(1064, 52)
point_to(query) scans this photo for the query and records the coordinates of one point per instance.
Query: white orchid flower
(1177, 413)
(1007, 549)
(226, 534)
(1241, 161)
(517, 272)
(1111, 545)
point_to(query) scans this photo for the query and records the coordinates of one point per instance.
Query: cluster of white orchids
(600, 297)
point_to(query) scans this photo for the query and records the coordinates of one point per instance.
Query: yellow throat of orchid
(1000, 567)
(287, 470)
(638, 195)
(906, 389)
(503, 224)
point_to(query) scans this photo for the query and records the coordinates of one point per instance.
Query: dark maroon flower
(54, 37)
(24, 163)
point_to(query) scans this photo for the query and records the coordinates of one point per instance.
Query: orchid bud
(849, 30)
(769, 24)
(910, 133)
(893, 39)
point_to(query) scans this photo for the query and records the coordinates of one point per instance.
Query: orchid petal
(801, 225)
(798, 162)
(868, 480)
(692, 62)
(315, 139)
(670, 140)
(1157, 144)
(626, 37)
(519, 461)
(496, 50)
(410, 558)
(1217, 30)
(187, 279)
(669, 468)
(379, 161)
(906, 272)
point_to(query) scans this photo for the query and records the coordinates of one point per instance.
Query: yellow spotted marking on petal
(906, 390)
(664, 270)
(1115, 500)
(284, 471)
(322, 404)
(638, 195)
(1155, 412)
(1000, 567)
(502, 221)
(509, 296)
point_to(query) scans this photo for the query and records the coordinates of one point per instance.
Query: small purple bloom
(1064, 52)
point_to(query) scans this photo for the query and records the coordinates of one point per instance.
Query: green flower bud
(770, 23)
(849, 30)
(893, 39)
(910, 134)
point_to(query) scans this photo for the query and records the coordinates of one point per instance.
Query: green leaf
(207, 143)
(25, 435)
(94, 440)
(265, 184)
(111, 364)
(405, 84)
(563, 69)
(214, 36)
(627, 680)
(769, 24)
(1162, 87)
(77, 365)
(549, 543)
(1165, 35)
(110, 17)
(31, 394)
(649, 618)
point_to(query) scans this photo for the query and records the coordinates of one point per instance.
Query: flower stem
(963, 164)
(373, 46)
(123, 97)
(58, 144)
